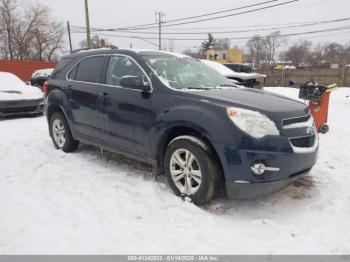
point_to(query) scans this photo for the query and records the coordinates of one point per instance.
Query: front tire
(192, 170)
(61, 135)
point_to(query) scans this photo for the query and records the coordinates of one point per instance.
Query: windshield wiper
(223, 85)
(200, 87)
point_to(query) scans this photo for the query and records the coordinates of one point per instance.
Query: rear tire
(192, 170)
(61, 135)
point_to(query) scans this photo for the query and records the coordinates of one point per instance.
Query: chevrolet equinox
(170, 110)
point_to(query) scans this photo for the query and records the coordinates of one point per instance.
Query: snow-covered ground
(81, 203)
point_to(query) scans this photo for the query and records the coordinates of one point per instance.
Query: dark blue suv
(204, 132)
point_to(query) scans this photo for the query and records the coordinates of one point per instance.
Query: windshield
(186, 73)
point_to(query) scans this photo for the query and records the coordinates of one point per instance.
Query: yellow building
(230, 55)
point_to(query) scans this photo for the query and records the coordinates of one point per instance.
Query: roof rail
(94, 48)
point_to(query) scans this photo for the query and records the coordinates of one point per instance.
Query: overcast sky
(117, 13)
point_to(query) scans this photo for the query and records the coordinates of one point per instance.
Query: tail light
(46, 87)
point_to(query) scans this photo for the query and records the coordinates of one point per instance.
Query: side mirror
(291, 83)
(135, 82)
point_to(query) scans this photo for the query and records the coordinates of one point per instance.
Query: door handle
(104, 98)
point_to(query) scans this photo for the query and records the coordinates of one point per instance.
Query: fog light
(259, 168)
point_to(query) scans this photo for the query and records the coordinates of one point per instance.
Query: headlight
(252, 122)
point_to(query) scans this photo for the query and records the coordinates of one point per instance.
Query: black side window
(61, 65)
(119, 67)
(72, 75)
(90, 69)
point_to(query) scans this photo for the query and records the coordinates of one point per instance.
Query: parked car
(39, 77)
(17, 98)
(185, 118)
(239, 68)
(252, 80)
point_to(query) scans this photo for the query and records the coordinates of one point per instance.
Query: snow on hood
(229, 73)
(13, 88)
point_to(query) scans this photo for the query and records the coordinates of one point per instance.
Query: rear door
(85, 94)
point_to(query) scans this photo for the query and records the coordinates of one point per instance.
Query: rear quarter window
(60, 67)
(73, 73)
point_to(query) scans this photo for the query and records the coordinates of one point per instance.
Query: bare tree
(257, 51)
(347, 53)
(300, 53)
(7, 20)
(272, 42)
(223, 44)
(198, 54)
(334, 53)
(29, 32)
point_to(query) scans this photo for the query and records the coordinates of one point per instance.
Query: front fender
(209, 121)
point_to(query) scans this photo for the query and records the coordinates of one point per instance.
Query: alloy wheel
(59, 133)
(185, 171)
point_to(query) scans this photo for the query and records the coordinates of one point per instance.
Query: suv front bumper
(246, 190)
(286, 165)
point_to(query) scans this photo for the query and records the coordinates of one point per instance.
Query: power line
(230, 32)
(224, 16)
(197, 16)
(208, 28)
(166, 24)
(233, 38)
(223, 11)
(315, 36)
(123, 36)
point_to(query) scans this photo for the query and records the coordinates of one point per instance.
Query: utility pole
(70, 38)
(159, 19)
(88, 39)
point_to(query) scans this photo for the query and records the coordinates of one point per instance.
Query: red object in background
(319, 111)
(24, 69)
(46, 86)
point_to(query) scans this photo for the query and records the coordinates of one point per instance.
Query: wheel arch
(54, 108)
(182, 130)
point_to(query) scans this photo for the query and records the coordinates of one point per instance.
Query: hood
(277, 107)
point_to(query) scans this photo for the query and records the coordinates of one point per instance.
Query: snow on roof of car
(13, 88)
(179, 55)
(43, 72)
